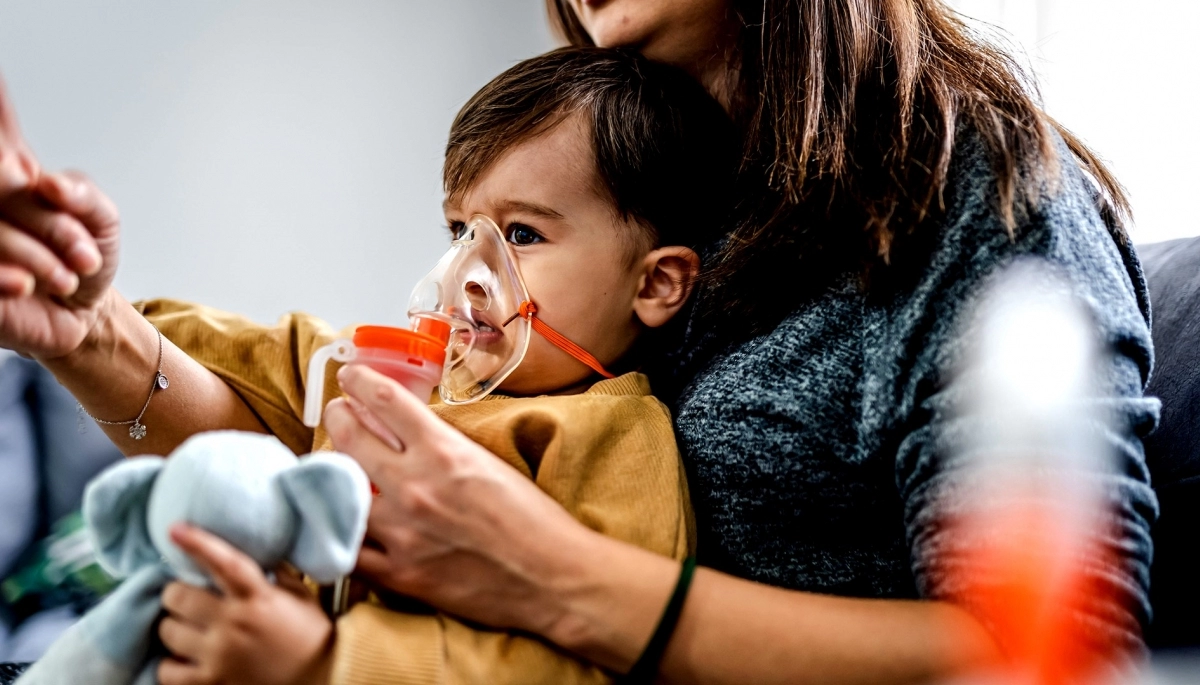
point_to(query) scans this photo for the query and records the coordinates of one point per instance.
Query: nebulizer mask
(471, 319)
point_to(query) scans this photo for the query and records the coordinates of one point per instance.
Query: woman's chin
(617, 24)
(665, 34)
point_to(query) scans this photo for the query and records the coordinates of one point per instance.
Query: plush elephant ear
(114, 510)
(331, 497)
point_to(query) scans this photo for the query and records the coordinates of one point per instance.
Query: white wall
(267, 155)
(1122, 74)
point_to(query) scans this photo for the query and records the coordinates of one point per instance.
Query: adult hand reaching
(459, 528)
(58, 256)
(454, 525)
(59, 239)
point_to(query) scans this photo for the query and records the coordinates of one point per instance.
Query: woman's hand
(454, 525)
(253, 632)
(457, 527)
(59, 239)
(58, 257)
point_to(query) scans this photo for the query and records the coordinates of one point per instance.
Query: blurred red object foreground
(1030, 558)
(1029, 583)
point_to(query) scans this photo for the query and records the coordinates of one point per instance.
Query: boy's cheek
(559, 271)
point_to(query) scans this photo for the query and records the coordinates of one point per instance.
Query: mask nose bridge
(480, 287)
(477, 275)
(479, 259)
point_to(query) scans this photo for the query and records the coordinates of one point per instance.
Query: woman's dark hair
(849, 111)
(665, 151)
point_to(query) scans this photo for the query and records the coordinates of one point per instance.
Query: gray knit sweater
(821, 455)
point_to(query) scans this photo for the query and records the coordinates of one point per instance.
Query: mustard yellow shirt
(607, 455)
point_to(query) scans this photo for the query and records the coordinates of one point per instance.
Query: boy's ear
(669, 274)
(331, 497)
(114, 512)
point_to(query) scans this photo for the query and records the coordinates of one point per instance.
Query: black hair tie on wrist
(646, 668)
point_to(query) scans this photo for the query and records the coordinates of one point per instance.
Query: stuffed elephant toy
(248, 489)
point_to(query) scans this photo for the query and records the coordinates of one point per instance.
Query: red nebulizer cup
(412, 358)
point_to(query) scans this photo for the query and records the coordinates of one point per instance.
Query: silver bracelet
(137, 430)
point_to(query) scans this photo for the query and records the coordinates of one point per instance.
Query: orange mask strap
(528, 311)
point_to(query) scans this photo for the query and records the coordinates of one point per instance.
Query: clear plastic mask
(477, 289)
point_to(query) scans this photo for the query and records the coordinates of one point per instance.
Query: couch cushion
(1173, 451)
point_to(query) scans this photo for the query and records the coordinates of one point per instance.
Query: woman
(892, 163)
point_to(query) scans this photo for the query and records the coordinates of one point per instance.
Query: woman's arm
(937, 456)
(111, 371)
(86, 334)
(59, 247)
(460, 529)
(737, 631)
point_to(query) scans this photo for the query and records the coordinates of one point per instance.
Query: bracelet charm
(137, 429)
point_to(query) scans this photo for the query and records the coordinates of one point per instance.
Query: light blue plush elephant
(248, 489)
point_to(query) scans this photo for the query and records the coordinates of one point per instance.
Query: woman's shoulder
(1060, 221)
(1061, 196)
(926, 303)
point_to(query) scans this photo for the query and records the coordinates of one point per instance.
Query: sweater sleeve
(265, 365)
(932, 474)
(611, 462)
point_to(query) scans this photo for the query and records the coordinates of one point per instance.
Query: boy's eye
(520, 234)
(456, 229)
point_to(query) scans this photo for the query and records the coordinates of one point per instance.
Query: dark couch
(1173, 451)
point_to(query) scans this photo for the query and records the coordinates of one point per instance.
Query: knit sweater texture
(824, 455)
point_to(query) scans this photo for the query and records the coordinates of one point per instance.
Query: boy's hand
(253, 632)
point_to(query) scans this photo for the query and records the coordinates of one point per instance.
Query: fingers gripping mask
(477, 290)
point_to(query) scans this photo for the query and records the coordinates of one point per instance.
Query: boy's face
(573, 251)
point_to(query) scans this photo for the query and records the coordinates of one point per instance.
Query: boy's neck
(629, 362)
(575, 389)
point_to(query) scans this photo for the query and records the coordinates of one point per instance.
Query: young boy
(603, 172)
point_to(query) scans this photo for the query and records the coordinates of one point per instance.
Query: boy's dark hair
(665, 151)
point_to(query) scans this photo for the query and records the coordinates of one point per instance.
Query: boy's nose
(477, 296)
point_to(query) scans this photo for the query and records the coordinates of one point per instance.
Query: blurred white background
(1123, 75)
(271, 155)
(267, 155)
